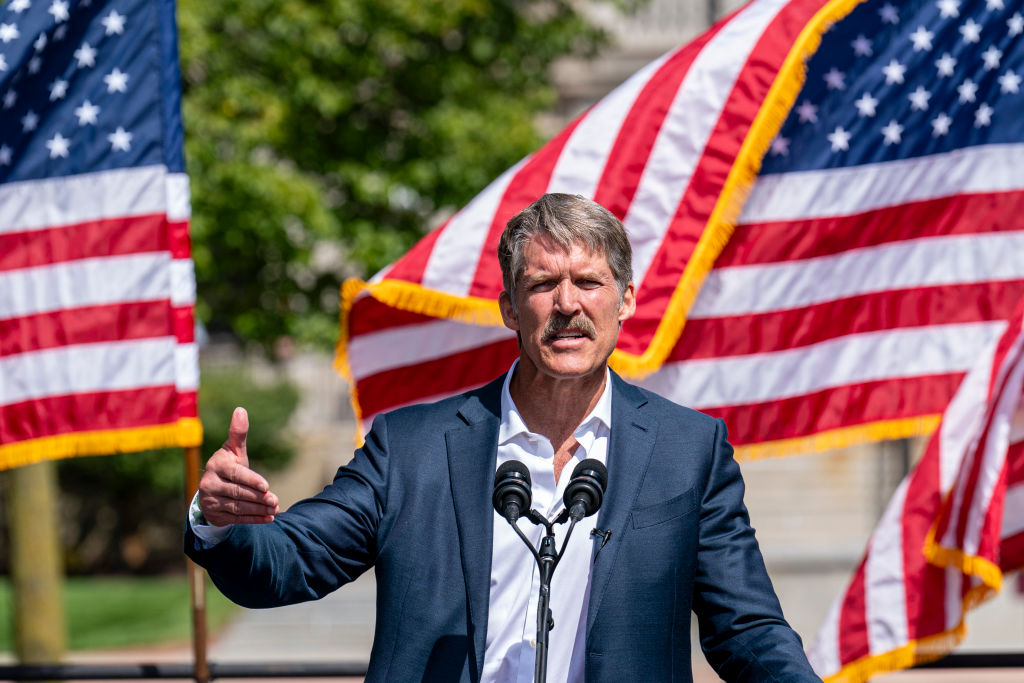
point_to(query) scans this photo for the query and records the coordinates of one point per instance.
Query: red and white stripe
(650, 151)
(901, 608)
(97, 292)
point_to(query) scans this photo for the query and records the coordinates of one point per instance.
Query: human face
(567, 311)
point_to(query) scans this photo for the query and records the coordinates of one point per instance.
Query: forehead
(545, 254)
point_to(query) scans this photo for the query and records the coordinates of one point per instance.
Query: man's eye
(587, 284)
(545, 286)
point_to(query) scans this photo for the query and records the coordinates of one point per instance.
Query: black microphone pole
(583, 496)
(547, 560)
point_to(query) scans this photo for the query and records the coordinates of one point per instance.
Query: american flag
(97, 289)
(878, 250)
(825, 203)
(953, 527)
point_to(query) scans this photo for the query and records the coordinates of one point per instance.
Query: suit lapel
(472, 454)
(629, 452)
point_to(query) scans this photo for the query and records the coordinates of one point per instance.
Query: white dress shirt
(510, 653)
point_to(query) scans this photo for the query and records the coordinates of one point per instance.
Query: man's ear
(628, 306)
(508, 314)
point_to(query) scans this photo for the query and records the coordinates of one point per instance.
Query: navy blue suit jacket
(415, 503)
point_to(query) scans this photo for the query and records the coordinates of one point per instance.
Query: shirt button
(533, 643)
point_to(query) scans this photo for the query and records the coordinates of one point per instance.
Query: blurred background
(323, 139)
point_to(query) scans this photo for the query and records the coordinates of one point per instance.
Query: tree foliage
(325, 138)
(124, 512)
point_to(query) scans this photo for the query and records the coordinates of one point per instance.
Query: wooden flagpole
(196, 579)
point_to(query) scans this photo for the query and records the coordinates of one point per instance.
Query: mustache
(559, 323)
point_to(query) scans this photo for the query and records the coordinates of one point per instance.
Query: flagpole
(196, 579)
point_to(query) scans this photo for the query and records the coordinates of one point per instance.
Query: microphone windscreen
(512, 494)
(512, 466)
(593, 468)
(585, 491)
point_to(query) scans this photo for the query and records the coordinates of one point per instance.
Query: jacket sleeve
(742, 630)
(314, 547)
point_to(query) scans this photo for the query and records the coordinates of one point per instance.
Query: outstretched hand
(230, 492)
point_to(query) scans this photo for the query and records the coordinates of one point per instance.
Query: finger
(237, 433)
(235, 482)
(243, 509)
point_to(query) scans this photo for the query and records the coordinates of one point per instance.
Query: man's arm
(306, 552)
(742, 631)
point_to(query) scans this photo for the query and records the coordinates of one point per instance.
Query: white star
(113, 23)
(994, 5)
(40, 42)
(59, 10)
(34, 64)
(87, 113)
(116, 80)
(894, 72)
(835, 79)
(893, 133)
(86, 55)
(3, 63)
(807, 112)
(983, 116)
(991, 57)
(10, 97)
(58, 146)
(971, 31)
(922, 39)
(1015, 24)
(9, 32)
(940, 125)
(919, 99)
(968, 91)
(862, 46)
(1009, 82)
(889, 14)
(840, 139)
(945, 64)
(5, 155)
(120, 139)
(780, 146)
(866, 105)
(949, 9)
(29, 121)
(60, 32)
(19, 6)
(58, 89)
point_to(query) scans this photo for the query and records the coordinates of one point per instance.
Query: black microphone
(585, 491)
(512, 495)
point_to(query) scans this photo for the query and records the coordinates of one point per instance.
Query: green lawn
(113, 612)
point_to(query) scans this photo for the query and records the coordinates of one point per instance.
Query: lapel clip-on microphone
(513, 495)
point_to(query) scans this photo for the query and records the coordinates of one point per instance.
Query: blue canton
(896, 80)
(88, 85)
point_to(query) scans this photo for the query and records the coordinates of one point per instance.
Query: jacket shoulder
(664, 408)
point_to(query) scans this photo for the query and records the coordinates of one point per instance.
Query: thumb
(237, 432)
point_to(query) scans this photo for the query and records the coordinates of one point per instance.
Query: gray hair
(566, 220)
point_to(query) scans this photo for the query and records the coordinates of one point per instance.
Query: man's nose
(567, 300)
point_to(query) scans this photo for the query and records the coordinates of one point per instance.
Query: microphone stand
(547, 560)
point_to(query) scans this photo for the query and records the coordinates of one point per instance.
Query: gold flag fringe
(871, 432)
(187, 431)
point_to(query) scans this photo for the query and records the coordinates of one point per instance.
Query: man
(456, 587)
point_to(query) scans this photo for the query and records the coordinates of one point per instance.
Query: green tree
(325, 138)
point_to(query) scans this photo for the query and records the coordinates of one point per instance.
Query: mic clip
(604, 535)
